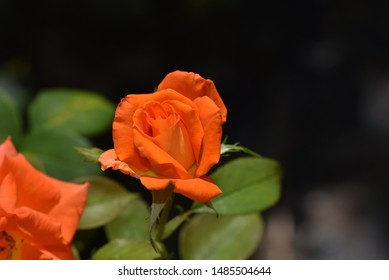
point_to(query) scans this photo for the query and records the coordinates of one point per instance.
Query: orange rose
(38, 214)
(171, 136)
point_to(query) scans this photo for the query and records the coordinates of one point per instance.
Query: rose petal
(39, 236)
(28, 251)
(8, 194)
(175, 141)
(122, 131)
(109, 159)
(193, 86)
(69, 208)
(39, 195)
(199, 189)
(61, 253)
(154, 184)
(190, 118)
(210, 116)
(162, 163)
(36, 227)
(7, 148)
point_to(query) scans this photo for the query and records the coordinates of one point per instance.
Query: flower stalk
(164, 216)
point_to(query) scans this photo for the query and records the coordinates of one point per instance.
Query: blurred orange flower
(171, 136)
(38, 214)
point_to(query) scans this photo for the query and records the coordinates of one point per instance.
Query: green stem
(162, 222)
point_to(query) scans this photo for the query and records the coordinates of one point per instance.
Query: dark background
(305, 82)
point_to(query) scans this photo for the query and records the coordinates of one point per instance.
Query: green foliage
(126, 249)
(11, 123)
(161, 198)
(78, 110)
(106, 201)
(206, 237)
(60, 120)
(89, 154)
(132, 223)
(174, 223)
(225, 149)
(249, 185)
(53, 152)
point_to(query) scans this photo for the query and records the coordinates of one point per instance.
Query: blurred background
(305, 83)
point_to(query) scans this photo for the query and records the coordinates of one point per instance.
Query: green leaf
(174, 223)
(206, 237)
(126, 249)
(106, 201)
(86, 112)
(11, 123)
(235, 148)
(87, 241)
(53, 152)
(89, 154)
(249, 185)
(225, 149)
(132, 223)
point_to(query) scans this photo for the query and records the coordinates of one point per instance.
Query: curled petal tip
(109, 159)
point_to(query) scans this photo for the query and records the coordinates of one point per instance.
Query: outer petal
(8, 148)
(109, 159)
(211, 118)
(8, 194)
(192, 86)
(60, 253)
(69, 209)
(33, 252)
(154, 184)
(122, 131)
(198, 189)
(40, 195)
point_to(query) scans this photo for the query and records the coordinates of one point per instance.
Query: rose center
(158, 118)
(163, 124)
(7, 244)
